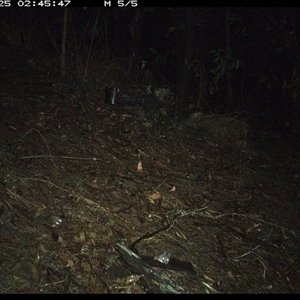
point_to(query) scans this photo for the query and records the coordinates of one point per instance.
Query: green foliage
(163, 59)
(111, 223)
(110, 260)
(223, 65)
(81, 181)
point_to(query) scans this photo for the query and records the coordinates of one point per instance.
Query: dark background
(215, 59)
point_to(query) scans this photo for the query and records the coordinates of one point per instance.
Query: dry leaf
(40, 210)
(139, 166)
(85, 266)
(81, 237)
(230, 275)
(40, 125)
(69, 263)
(173, 189)
(208, 278)
(154, 197)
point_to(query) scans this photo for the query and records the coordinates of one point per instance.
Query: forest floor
(100, 198)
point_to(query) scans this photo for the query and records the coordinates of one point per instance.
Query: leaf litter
(99, 198)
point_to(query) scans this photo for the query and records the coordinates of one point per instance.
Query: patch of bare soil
(99, 198)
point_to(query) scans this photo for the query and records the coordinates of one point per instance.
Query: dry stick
(62, 157)
(72, 192)
(254, 218)
(89, 201)
(233, 214)
(256, 247)
(32, 129)
(17, 197)
(51, 156)
(90, 49)
(64, 43)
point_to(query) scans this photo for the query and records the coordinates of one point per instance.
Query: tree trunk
(64, 43)
(188, 49)
(228, 59)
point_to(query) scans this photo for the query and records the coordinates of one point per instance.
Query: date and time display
(63, 3)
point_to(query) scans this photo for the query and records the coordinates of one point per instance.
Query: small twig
(249, 252)
(90, 51)
(251, 217)
(17, 197)
(62, 157)
(160, 185)
(71, 192)
(55, 282)
(32, 129)
(141, 152)
(252, 251)
(183, 213)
